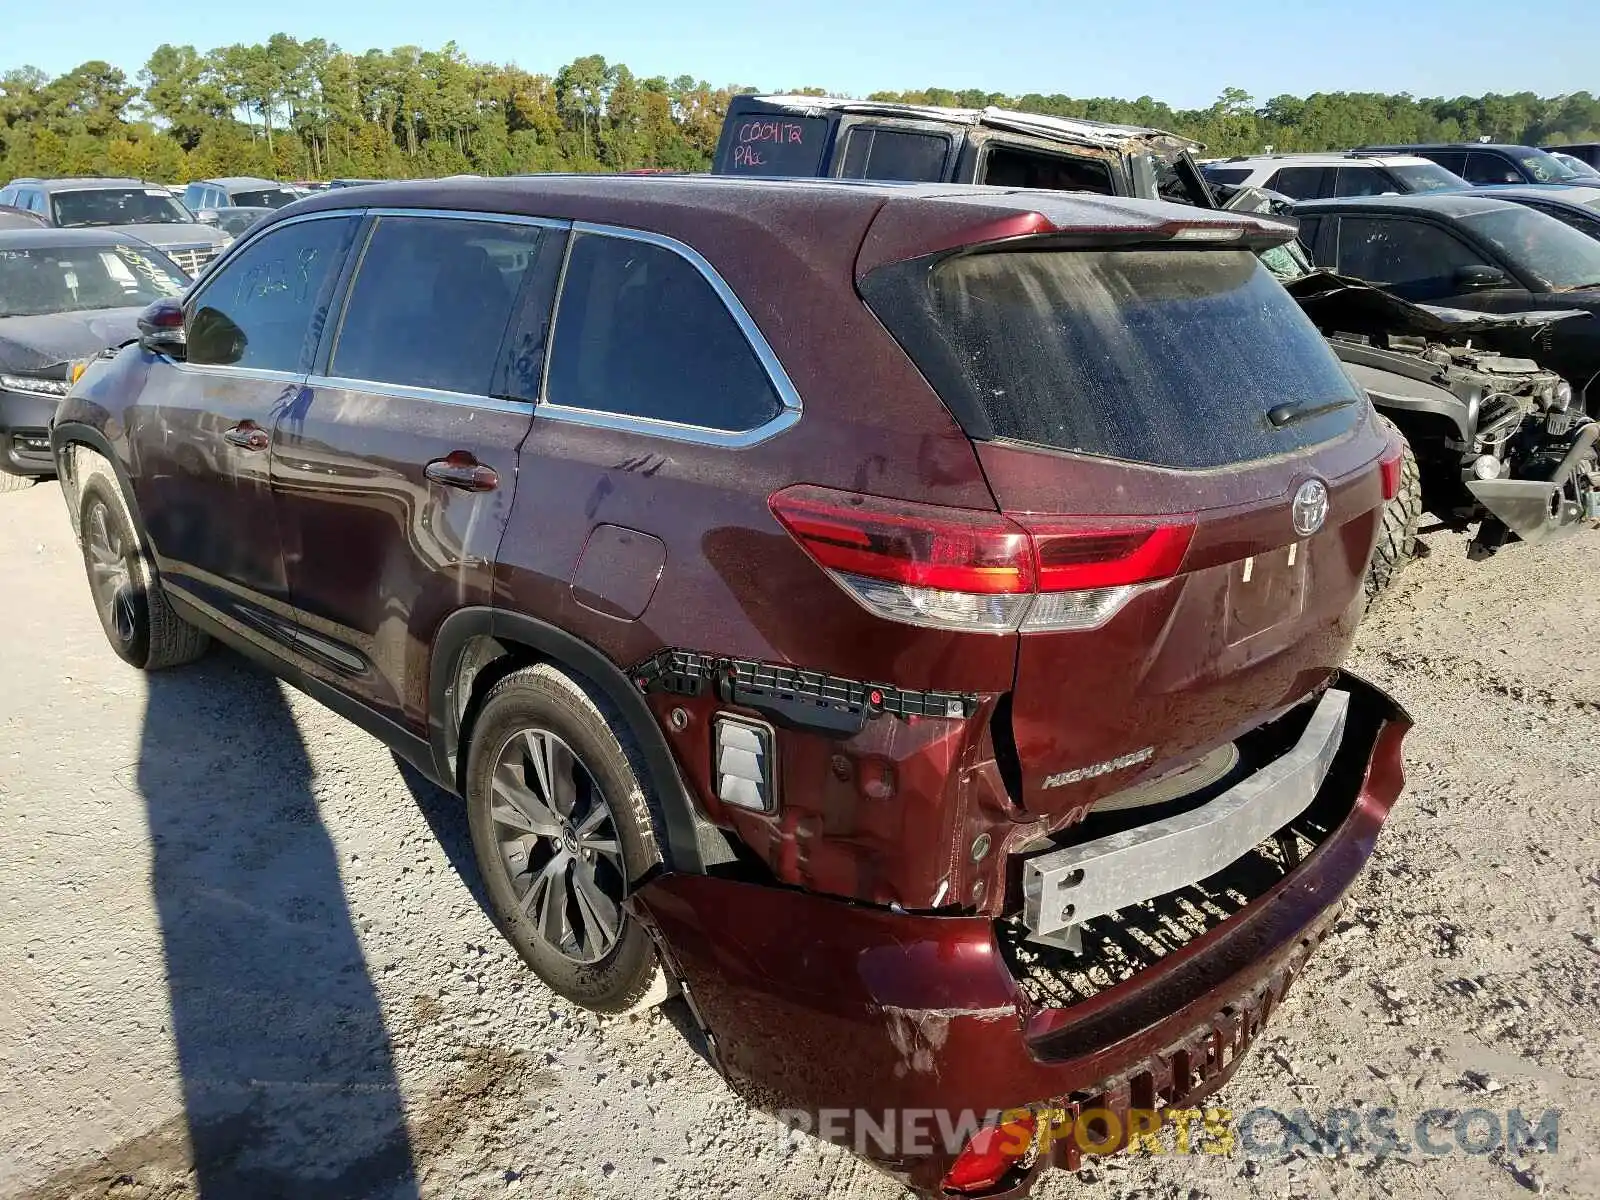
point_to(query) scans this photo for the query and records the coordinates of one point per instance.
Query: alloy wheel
(110, 575)
(558, 845)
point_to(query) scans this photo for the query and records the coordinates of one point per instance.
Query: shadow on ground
(288, 1076)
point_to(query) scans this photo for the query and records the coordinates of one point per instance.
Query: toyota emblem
(1310, 507)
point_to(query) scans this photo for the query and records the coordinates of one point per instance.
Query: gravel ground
(232, 924)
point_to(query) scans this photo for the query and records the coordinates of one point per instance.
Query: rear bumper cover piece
(851, 1013)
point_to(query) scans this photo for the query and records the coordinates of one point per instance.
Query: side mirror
(161, 329)
(206, 216)
(1481, 278)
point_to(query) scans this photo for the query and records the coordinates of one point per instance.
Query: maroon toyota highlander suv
(907, 618)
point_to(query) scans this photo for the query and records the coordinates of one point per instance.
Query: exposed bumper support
(1064, 888)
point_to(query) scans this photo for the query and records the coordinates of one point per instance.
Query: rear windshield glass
(265, 198)
(1168, 357)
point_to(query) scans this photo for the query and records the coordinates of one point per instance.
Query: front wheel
(1397, 538)
(141, 626)
(15, 483)
(561, 826)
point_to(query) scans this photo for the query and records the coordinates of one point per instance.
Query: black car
(1470, 250)
(1487, 162)
(1578, 206)
(65, 295)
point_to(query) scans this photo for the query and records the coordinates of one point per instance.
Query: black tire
(536, 895)
(134, 613)
(15, 483)
(1397, 539)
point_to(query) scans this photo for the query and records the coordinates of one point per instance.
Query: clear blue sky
(1184, 53)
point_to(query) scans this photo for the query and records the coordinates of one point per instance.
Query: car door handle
(460, 470)
(247, 435)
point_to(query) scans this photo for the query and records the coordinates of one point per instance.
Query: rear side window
(431, 301)
(640, 332)
(1167, 357)
(1303, 183)
(1010, 167)
(874, 153)
(265, 307)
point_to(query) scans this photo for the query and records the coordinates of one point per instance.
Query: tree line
(292, 109)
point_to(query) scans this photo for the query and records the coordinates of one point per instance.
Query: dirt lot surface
(232, 926)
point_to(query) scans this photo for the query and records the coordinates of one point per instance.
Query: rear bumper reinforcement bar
(1064, 888)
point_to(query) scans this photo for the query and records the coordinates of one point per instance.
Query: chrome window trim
(267, 374)
(401, 391)
(788, 398)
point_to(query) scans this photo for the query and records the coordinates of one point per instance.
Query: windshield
(265, 198)
(118, 206)
(1546, 168)
(1427, 177)
(1288, 261)
(1578, 167)
(1556, 255)
(55, 279)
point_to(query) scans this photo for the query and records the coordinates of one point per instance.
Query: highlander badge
(1101, 768)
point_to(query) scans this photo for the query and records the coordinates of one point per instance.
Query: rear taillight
(1389, 469)
(990, 1155)
(954, 568)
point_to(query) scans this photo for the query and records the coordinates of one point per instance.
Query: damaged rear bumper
(849, 1016)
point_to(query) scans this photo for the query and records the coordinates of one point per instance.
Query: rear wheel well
(477, 648)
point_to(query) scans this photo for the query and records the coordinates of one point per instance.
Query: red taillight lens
(992, 1152)
(954, 568)
(1389, 470)
(924, 545)
(1096, 552)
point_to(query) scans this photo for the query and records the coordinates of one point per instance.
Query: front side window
(1226, 175)
(265, 306)
(1419, 261)
(871, 152)
(119, 206)
(194, 197)
(430, 303)
(1362, 181)
(1490, 168)
(640, 332)
(55, 279)
(1303, 183)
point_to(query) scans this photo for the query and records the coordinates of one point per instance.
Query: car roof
(1327, 158)
(642, 200)
(82, 183)
(241, 181)
(1444, 204)
(1070, 129)
(1509, 146)
(27, 239)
